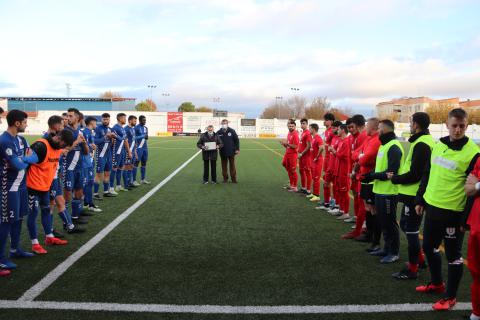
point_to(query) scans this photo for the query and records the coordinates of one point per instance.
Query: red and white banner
(175, 121)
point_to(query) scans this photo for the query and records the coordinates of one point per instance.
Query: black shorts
(366, 193)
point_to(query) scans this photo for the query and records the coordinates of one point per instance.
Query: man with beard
(389, 159)
(408, 181)
(13, 165)
(289, 161)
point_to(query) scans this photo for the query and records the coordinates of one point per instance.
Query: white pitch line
(216, 309)
(53, 275)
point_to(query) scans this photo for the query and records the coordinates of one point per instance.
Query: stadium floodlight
(151, 87)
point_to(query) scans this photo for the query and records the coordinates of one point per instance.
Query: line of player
(438, 180)
(63, 170)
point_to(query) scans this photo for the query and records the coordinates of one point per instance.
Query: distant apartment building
(402, 109)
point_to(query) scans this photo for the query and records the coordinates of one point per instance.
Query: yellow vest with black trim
(386, 187)
(447, 176)
(412, 188)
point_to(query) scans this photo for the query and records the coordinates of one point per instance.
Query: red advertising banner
(175, 121)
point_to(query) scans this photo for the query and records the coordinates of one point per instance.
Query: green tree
(147, 105)
(204, 109)
(186, 107)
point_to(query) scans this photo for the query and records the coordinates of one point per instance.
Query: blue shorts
(119, 159)
(88, 174)
(103, 164)
(74, 180)
(56, 189)
(132, 160)
(142, 155)
(15, 206)
(36, 199)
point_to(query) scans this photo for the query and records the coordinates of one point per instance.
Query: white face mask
(225, 126)
(210, 133)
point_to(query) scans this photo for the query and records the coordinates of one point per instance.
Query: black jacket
(420, 159)
(209, 154)
(394, 159)
(230, 142)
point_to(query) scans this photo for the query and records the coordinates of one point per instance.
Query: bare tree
(279, 110)
(297, 104)
(110, 95)
(318, 108)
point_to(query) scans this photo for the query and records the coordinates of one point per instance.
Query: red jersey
(474, 216)
(317, 142)
(328, 140)
(306, 137)
(343, 157)
(368, 154)
(357, 142)
(292, 138)
(332, 159)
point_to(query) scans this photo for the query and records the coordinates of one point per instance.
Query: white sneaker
(135, 183)
(344, 216)
(122, 188)
(112, 191)
(145, 182)
(94, 209)
(333, 211)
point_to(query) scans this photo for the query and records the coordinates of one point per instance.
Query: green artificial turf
(250, 243)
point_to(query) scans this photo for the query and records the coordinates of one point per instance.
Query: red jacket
(368, 154)
(343, 156)
(292, 138)
(357, 146)
(333, 159)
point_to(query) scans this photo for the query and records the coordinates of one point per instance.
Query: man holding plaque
(209, 142)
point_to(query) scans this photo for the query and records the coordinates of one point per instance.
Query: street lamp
(277, 99)
(151, 87)
(294, 90)
(165, 95)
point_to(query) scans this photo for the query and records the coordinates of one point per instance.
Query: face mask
(210, 133)
(225, 126)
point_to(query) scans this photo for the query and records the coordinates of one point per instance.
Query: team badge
(9, 152)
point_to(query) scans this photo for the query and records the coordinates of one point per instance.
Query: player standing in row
(121, 151)
(328, 118)
(341, 184)
(88, 164)
(103, 158)
(390, 157)
(73, 170)
(289, 161)
(442, 197)
(332, 170)
(305, 159)
(141, 134)
(408, 181)
(130, 130)
(55, 126)
(317, 162)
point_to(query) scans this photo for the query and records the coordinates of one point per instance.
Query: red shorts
(305, 163)
(473, 254)
(290, 161)
(342, 183)
(355, 185)
(328, 177)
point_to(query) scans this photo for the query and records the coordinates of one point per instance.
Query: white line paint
(51, 277)
(215, 309)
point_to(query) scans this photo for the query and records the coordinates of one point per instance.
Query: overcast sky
(356, 53)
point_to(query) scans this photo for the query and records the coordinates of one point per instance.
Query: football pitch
(178, 249)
